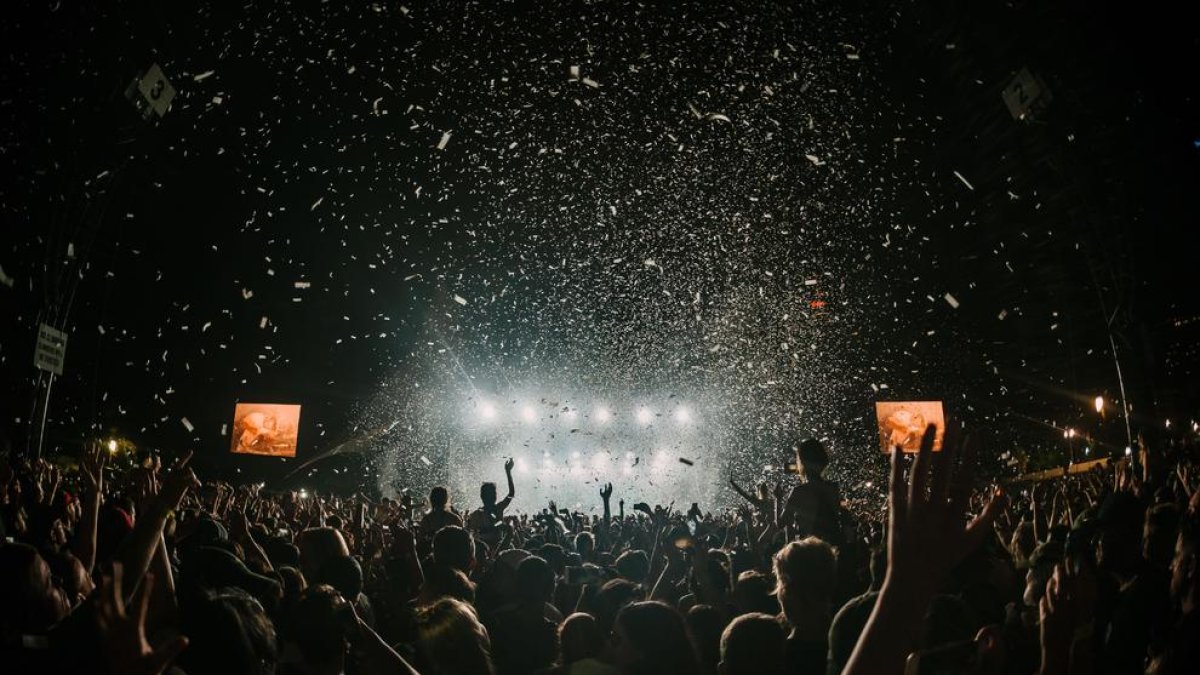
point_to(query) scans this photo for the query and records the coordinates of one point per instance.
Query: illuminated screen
(270, 429)
(903, 423)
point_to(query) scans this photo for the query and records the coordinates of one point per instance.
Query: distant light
(1087, 450)
(1128, 451)
(1168, 424)
(303, 494)
(602, 415)
(575, 455)
(683, 415)
(644, 416)
(528, 414)
(1099, 404)
(1069, 433)
(487, 411)
(870, 484)
(112, 446)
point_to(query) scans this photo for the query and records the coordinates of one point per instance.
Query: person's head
(1041, 567)
(752, 644)
(535, 581)
(805, 577)
(452, 641)
(487, 493)
(74, 581)
(704, 624)
(634, 566)
(1185, 566)
(585, 544)
(317, 545)
(613, 596)
(29, 600)
(580, 638)
(316, 629)
(752, 593)
(454, 547)
(228, 632)
(445, 582)
(650, 637)
(344, 574)
(1159, 535)
(812, 457)
(439, 497)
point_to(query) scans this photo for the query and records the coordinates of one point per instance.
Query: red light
(816, 304)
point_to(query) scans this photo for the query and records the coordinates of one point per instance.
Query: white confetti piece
(262, 323)
(302, 284)
(816, 161)
(951, 300)
(1003, 313)
(717, 117)
(591, 83)
(426, 460)
(574, 73)
(460, 299)
(203, 76)
(964, 181)
(247, 294)
(187, 425)
(224, 429)
(316, 204)
(445, 140)
(5, 279)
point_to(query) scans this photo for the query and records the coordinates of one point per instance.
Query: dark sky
(657, 220)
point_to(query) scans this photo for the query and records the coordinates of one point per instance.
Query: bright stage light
(644, 416)
(602, 415)
(575, 455)
(528, 414)
(487, 411)
(683, 415)
(112, 446)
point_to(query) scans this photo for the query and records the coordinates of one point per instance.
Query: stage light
(575, 455)
(1099, 404)
(1128, 451)
(112, 446)
(528, 414)
(487, 411)
(303, 494)
(1168, 424)
(683, 415)
(644, 416)
(602, 415)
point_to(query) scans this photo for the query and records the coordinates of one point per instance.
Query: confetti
(951, 300)
(187, 425)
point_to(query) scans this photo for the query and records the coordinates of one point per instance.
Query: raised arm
(926, 538)
(512, 488)
(92, 472)
(138, 548)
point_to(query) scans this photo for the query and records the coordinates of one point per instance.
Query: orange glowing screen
(903, 423)
(270, 429)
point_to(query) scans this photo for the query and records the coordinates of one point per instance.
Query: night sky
(773, 213)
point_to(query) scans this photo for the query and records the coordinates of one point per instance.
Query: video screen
(269, 429)
(903, 423)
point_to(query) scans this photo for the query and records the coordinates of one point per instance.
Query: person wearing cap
(812, 508)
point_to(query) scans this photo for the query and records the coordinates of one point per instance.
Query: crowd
(152, 570)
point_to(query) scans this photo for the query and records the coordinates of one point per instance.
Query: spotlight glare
(112, 446)
(602, 415)
(1099, 404)
(644, 416)
(487, 411)
(683, 415)
(528, 414)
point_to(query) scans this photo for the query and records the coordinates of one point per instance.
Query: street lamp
(1100, 404)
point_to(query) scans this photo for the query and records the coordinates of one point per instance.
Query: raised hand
(91, 468)
(606, 492)
(509, 464)
(177, 482)
(1066, 613)
(927, 533)
(124, 636)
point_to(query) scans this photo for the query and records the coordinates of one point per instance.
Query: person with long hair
(650, 638)
(452, 641)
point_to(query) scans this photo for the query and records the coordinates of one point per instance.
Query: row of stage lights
(599, 463)
(643, 415)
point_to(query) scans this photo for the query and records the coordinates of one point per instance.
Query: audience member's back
(752, 644)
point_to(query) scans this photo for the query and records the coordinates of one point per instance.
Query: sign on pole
(152, 92)
(1026, 95)
(51, 349)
